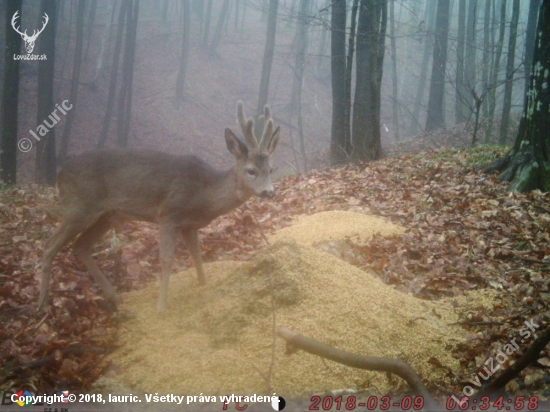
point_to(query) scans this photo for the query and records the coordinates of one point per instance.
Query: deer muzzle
(268, 194)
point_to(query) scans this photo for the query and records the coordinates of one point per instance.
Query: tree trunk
(530, 34)
(46, 170)
(236, 28)
(219, 27)
(321, 58)
(340, 145)
(395, 103)
(461, 92)
(429, 16)
(300, 48)
(486, 48)
(90, 26)
(185, 48)
(349, 69)
(104, 44)
(114, 73)
(10, 101)
(207, 20)
(494, 72)
(268, 55)
(126, 88)
(371, 34)
(435, 118)
(507, 103)
(75, 81)
(527, 166)
(470, 55)
(299, 66)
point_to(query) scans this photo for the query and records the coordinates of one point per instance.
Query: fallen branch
(531, 355)
(395, 366)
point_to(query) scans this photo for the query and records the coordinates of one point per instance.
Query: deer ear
(234, 145)
(273, 141)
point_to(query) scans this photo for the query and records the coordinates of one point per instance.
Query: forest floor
(464, 232)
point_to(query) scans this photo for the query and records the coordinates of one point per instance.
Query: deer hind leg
(168, 237)
(191, 238)
(83, 251)
(69, 228)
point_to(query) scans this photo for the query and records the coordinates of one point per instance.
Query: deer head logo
(29, 40)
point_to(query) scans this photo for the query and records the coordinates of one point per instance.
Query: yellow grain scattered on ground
(335, 225)
(217, 339)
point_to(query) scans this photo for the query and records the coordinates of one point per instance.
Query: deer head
(254, 167)
(29, 40)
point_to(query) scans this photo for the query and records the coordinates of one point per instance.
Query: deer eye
(251, 172)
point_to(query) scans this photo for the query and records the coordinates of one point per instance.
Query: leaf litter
(464, 232)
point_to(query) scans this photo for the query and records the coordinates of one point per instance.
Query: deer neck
(227, 193)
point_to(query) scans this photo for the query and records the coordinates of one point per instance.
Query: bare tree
(429, 17)
(90, 26)
(507, 103)
(126, 89)
(435, 118)
(371, 34)
(114, 74)
(10, 99)
(45, 155)
(75, 80)
(207, 20)
(219, 27)
(527, 165)
(340, 144)
(299, 66)
(185, 48)
(395, 103)
(460, 105)
(534, 6)
(486, 52)
(269, 49)
(492, 100)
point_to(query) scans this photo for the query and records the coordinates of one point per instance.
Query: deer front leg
(168, 236)
(191, 237)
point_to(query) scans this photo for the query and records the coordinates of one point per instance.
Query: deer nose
(268, 194)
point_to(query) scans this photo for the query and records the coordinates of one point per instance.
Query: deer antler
(13, 20)
(247, 127)
(37, 32)
(268, 128)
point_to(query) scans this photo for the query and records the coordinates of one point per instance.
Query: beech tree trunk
(435, 117)
(75, 80)
(371, 35)
(185, 48)
(340, 144)
(461, 109)
(527, 165)
(46, 170)
(10, 100)
(530, 34)
(494, 72)
(268, 55)
(219, 27)
(507, 104)
(429, 16)
(114, 74)
(395, 103)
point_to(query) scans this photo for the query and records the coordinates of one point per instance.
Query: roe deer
(180, 193)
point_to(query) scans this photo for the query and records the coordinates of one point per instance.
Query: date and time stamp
(65, 401)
